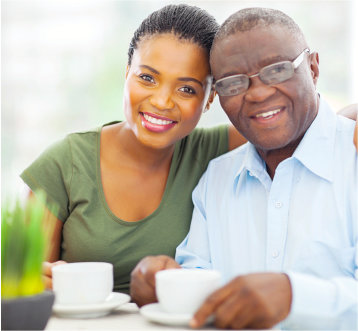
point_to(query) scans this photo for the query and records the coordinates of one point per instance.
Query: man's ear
(210, 100)
(314, 66)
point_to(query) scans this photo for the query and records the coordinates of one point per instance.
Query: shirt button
(278, 204)
(275, 253)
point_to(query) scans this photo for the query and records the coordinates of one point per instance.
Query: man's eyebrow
(150, 68)
(262, 63)
(272, 60)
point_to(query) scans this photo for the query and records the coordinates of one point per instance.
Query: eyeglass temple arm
(299, 59)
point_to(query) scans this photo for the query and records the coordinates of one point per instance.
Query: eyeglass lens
(271, 74)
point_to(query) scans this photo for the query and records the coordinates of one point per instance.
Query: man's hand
(143, 278)
(254, 301)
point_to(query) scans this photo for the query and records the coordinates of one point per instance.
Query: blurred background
(63, 65)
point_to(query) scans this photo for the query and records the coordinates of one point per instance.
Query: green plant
(25, 229)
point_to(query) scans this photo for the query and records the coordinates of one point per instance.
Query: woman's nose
(259, 91)
(162, 98)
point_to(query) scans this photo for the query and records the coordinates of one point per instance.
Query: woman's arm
(350, 111)
(53, 229)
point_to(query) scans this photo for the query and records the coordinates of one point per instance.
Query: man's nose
(259, 91)
(162, 98)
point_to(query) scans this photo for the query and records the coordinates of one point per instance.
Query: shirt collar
(315, 150)
(251, 163)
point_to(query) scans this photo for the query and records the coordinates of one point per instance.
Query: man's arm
(330, 303)
(194, 251)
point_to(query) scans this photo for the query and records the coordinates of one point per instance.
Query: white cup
(182, 291)
(82, 282)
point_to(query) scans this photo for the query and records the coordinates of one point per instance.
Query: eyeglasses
(272, 74)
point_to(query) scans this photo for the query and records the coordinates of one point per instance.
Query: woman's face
(166, 90)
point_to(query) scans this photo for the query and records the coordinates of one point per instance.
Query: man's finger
(171, 264)
(209, 306)
(233, 312)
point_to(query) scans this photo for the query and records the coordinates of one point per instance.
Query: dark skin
(254, 301)
(258, 300)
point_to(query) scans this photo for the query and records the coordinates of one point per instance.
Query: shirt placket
(277, 216)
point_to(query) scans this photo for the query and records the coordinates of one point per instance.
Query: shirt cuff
(313, 301)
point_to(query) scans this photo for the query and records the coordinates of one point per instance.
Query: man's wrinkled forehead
(264, 45)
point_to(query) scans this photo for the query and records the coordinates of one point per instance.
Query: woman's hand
(47, 272)
(143, 278)
(351, 112)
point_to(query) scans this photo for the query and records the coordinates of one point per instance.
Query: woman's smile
(156, 123)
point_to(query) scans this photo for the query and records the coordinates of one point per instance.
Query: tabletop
(125, 317)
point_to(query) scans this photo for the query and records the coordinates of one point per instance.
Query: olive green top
(69, 172)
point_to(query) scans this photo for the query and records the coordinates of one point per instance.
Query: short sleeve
(209, 143)
(52, 172)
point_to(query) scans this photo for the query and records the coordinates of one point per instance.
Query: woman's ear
(210, 100)
(127, 70)
(314, 66)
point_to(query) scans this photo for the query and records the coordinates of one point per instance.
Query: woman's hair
(186, 22)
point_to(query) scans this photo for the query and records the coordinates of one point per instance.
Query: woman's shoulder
(79, 141)
(204, 144)
(205, 135)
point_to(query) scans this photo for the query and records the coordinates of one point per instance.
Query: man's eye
(277, 69)
(147, 78)
(187, 89)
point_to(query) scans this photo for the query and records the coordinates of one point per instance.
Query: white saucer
(92, 310)
(153, 312)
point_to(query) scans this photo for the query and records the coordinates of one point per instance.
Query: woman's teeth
(158, 121)
(269, 114)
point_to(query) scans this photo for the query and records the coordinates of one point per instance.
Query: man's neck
(274, 157)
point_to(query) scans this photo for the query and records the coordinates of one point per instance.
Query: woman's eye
(147, 78)
(187, 89)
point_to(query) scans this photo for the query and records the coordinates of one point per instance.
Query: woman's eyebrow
(150, 68)
(182, 79)
(190, 79)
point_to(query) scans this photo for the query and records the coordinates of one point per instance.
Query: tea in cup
(183, 291)
(82, 283)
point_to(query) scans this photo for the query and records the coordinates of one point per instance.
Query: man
(278, 217)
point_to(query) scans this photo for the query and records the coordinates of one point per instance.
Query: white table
(126, 317)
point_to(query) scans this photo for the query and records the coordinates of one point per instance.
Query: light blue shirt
(303, 222)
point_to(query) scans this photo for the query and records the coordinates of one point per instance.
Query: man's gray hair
(249, 18)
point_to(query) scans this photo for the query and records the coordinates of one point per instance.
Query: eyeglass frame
(295, 64)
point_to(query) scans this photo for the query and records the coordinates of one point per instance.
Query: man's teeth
(269, 113)
(156, 120)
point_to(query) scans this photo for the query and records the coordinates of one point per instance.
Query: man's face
(269, 116)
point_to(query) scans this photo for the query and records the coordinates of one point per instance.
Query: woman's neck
(125, 147)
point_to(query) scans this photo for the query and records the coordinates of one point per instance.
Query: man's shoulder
(230, 160)
(345, 124)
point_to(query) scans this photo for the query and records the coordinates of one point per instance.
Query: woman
(124, 190)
